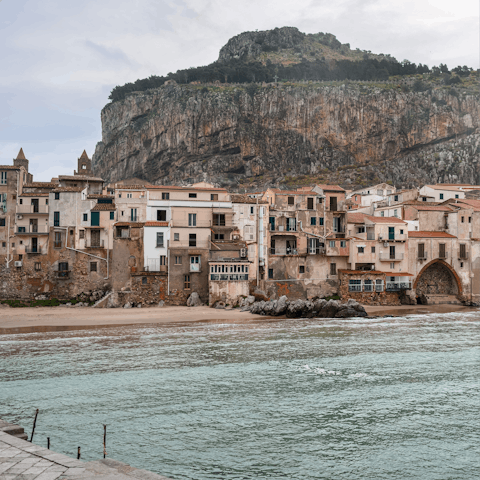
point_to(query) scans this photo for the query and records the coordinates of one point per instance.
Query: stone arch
(438, 278)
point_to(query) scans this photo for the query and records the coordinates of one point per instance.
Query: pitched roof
(238, 198)
(384, 219)
(21, 155)
(84, 156)
(80, 177)
(424, 234)
(355, 217)
(156, 224)
(99, 207)
(438, 208)
(472, 202)
(176, 187)
(293, 192)
(67, 189)
(98, 195)
(130, 187)
(40, 185)
(376, 272)
(447, 187)
(9, 167)
(330, 188)
(129, 224)
(33, 194)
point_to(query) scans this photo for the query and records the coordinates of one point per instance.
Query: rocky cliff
(247, 137)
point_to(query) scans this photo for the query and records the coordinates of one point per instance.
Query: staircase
(11, 429)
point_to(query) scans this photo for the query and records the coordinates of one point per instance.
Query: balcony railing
(366, 286)
(37, 249)
(370, 236)
(32, 229)
(316, 250)
(235, 277)
(155, 265)
(195, 267)
(189, 244)
(462, 255)
(94, 244)
(398, 237)
(397, 286)
(57, 244)
(443, 255)
(63, 273)
(24, 209)
(288, 251)
(387, 257)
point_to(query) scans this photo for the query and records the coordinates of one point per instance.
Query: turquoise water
(394, 398)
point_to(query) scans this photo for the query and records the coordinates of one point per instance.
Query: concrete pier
(22, 460)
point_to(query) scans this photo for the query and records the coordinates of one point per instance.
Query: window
(2, 222)
(93, 266)
(456, 195)
(129, 195)
(56, 219)
(81, 234)
(382, 213)
(85, 217)
(424, 199)
(160, 239)
(332, 243)
(461, 264)
(441, 250)
(320, 221)
(63, 267)
(57, 196)
(463, 250)
(214, 197)
(313, 220)
(361, 249)
(421, 250)
(20, 257)
(219, 219)
(133, 214)
(176, 237)
(165, 196)
(119, 195)
(13, 245)
(310, 203)
(4, 244)
(178, 260)
(192, 219)
(192, 240)
(38, 266)
(21, 229)
(463, 220)
(469, 219)
(252, 210)
(57, 242)
(192, 195)
(219, 236)
(354, 285)
(343, 243)
(333, 269)
(302, 269)
(401, 232)
(161, 215)
(3, 179)
(144, 280)
(291, 200)
(112, 215)
(195, 263)
(270, 273)
(373, 249)
(395, 213)
(441, 196)
(20, 201)
(84, 167)
(392, 266)
(163, 259)
(395, 198)
(186, 284)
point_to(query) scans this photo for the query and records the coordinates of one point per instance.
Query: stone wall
(436, 280)
(367, 298)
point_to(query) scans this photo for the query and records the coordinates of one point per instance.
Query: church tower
(84, 165)
(21, 161)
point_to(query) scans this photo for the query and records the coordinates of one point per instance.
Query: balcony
(288, 251)
(397, 286)
(387, 257)
(155, 265)
(316, 250)
(94, 244)
(63, 273)
(32, 229)
(232, 277)
(398, 237)
(32, 209)
(202, 244)
(462, 255)
(34, 250)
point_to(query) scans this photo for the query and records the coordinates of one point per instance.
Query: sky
(60, 59)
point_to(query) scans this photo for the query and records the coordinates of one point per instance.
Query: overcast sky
(59, 59)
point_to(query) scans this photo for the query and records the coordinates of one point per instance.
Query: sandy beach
(51, 319)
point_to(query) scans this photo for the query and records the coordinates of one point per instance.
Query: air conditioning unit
(385, 244)
(261, 262)
(243, 252)
(19, 217)
(19, 263)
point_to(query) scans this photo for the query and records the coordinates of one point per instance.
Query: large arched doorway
(437, 278)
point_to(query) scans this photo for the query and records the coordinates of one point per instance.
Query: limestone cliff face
(231, 135)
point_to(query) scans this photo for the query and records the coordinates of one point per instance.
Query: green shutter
(95, 219)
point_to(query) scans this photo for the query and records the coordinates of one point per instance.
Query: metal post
(104, 441)
(34, 423)
(78, 454)
(48, 443)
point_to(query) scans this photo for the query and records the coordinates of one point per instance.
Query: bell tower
(21, 160)
(84, 165)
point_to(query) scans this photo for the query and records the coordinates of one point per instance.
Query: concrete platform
(22, 460)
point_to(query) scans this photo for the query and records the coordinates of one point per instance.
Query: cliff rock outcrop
(252, 136)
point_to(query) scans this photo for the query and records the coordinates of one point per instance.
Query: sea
(370, 398)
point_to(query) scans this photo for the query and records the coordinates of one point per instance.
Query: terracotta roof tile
(376, 272)
(40, 185)
(97, 195)
(176, 187)
(438, 208)
(384, 219)
(128, 224)
(330, 188)
(67, 189)
(100, 207)
(9, 167)
(238, 198)
(130, 187)
(355, 217)
(33, 194)
(80, 177)
(156, 224)
(430, 235)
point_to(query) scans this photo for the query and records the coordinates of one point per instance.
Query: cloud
(61, 59)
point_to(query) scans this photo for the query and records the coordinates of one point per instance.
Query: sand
(51, 319)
